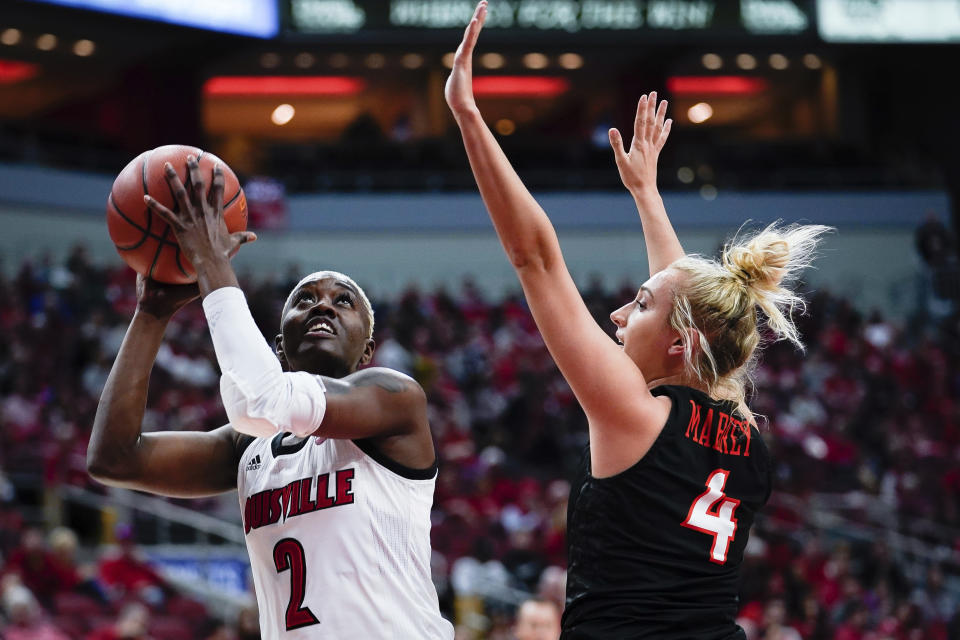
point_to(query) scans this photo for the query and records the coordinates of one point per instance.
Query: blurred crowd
(861, 540)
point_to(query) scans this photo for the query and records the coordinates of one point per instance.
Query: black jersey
(655, 550)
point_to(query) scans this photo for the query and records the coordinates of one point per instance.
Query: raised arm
(608, 385)
(180, 463)
(638, 170)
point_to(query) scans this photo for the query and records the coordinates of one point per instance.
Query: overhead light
(779, 61)
(492, 60)
(270, 60)
(338, 60)
(535, 61)
(447, 59)
(10, 36)
(47, 42)
(711, 61)
(708, 192)
(746, 61)
(84, 48)
(570, 60)
(283, 85)
(282, 114)
(700, 112)
(723, 85)
(305, 60)
(685, 175)
(519, 86)
(412, 60)
(505, 126)
(812, 61)
(375, 61)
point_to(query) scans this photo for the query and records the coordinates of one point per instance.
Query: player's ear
(281, 356)
(676, 347)
(368, 350)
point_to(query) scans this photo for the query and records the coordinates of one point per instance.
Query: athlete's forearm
(525, 231)
(663, 246)
(259, 398)
(215, 272)
(117, 425)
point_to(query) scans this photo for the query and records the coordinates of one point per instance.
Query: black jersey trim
(279, 449)
(400, 469)
(241, 443)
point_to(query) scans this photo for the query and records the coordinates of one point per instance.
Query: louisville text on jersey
(719, 431)
(297, 498)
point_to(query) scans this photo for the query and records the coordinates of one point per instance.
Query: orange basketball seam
(156, 256)
(147, 234)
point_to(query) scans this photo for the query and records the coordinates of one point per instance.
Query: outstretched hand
(197, 220)
(459, 88)
(638, 165)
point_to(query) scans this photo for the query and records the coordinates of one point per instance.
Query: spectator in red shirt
(125, 573)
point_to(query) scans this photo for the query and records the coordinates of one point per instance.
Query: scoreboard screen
(258, 18)
(557, 20)
(879, 21)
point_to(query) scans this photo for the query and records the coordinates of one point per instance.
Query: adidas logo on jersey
(254, 463)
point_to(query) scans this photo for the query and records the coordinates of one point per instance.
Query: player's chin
(324, 357)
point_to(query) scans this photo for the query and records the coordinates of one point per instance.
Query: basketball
(143, 239)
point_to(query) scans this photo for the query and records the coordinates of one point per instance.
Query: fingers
(651, 115)
(177, 189)
(165, 214)
(195, 180)
(616, 141)
(661, 115)
(239, 239)
(639, 123)
(649, 124)
(215, 197)
(664, 132)
(472, 32)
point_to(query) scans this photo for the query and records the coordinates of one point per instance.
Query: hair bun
(766, 261)
(761, 262)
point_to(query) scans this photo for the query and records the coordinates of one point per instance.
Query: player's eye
(345, 298)
(641, 304)
(304, 296)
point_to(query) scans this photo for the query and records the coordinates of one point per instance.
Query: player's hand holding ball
(197, 221)
(162, 300)
(163, 192)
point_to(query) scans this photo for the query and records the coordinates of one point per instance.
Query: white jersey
(339, 541)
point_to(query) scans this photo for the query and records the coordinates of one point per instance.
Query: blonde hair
(717, 305)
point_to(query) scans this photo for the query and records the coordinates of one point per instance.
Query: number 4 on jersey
(712, 513)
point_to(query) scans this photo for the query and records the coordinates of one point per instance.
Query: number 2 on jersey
(712, 513)
(288, 554)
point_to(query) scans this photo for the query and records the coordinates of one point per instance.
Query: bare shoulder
(617, 447)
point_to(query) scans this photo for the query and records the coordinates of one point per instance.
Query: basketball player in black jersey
(676, 470)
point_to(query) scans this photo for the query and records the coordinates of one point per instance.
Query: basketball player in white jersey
(335, 466)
